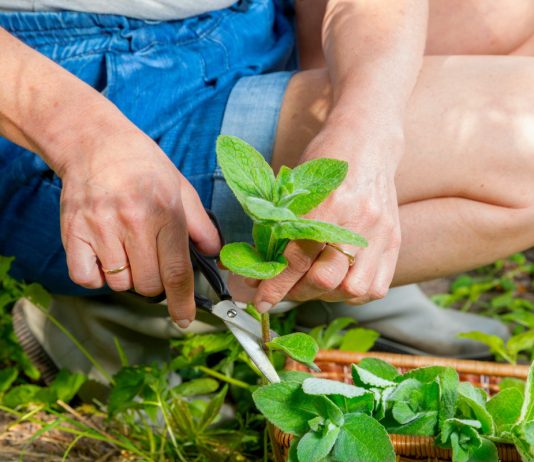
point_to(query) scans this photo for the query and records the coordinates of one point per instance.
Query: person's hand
(366, 203)
(124, 203)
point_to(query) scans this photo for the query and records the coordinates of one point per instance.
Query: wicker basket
(336, 365)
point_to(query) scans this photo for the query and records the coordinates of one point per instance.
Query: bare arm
(122, 200)
(373, 50)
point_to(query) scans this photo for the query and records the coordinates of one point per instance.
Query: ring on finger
(351, 258)
(115, 270)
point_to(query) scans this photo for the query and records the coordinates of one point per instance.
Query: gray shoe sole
(31, 346)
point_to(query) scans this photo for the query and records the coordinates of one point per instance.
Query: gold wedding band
(116, 270)
(351, 258)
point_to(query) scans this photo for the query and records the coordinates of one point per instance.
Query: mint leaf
(244, 169)
(463, 438)
(494, 343)
(364, 378)
(260, 209)
(315, 446)
(359, 339)
(320, 177)
(7, 376)
(67, 384)
(512, 382)
(520, 342)
(505, 408)
(318, 386)
(319, 231)
(285, 405)
(487, 452)
(261, 233)
(195, 387)
(527, 410)
(299, 346)
(523, 437)
(471, 407)
(363, 439)
(380, 368)
(241, 258)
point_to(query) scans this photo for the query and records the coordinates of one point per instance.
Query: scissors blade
(247, 331)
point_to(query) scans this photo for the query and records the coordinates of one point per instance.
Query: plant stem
(83, 350)
(224, 378)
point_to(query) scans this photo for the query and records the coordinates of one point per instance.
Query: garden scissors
(246, 328)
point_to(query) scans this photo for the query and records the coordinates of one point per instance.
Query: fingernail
(183, 323)
(263, 307)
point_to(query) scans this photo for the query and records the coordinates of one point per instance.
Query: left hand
(366, 203)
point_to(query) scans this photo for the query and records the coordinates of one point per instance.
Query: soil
(16, 444)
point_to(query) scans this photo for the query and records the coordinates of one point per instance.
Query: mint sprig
(276, 204)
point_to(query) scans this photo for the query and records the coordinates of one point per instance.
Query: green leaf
(7, 377)
(332, 335)
(38, 295)
(359, 340)
(241, 258)
(512, 382)
(505, 408)
(363, 439)
(320, 177)
(318, 386)
(380, 368)
(213, 409)
(67, 384)
(520, 342)
(21, 395)
(195, 387)
(487, 452)
(294, 376)
(245, 170)
(285, 405)
(462, 436)
(299, 346)
(527, 410)
(261, 234)
(315, 446)
(262, 210)
(471, 407)
(494, 343)
(5, 265)
(364, 378)
(523, 440)
(319, 231)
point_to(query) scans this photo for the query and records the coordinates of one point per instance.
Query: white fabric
(159, 10)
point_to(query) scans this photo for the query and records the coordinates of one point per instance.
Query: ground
(476, 290)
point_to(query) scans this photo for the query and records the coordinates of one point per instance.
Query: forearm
(45, 108)
(374, 51)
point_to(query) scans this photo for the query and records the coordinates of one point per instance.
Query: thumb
(199, 225)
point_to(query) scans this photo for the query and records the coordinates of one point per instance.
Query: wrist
(74, 135)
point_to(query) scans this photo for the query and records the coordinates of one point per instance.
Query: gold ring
(351, 258)
(116, 270)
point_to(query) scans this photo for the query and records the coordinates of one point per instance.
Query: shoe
(31, 346)
(409, 322)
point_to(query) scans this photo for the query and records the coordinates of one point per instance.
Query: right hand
(124, 202)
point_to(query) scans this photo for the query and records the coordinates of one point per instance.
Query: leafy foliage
(275, 206)
(427, 401)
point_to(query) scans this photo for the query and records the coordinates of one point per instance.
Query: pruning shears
(245, 328)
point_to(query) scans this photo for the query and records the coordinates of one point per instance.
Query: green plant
(332, 336)
(512, 350)
(334, 421)
(275, 205)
